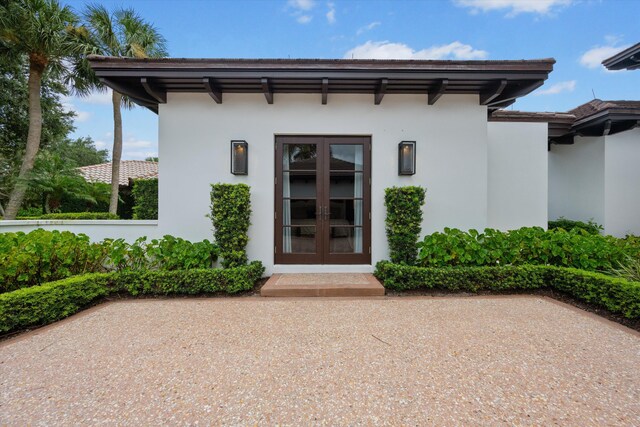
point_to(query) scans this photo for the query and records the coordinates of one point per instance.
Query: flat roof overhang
(607, 122)
(147, 81)
(628, 59)
(559, 124)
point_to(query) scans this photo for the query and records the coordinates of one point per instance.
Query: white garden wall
(97, 230)
(622, 183)
(194, 149)
(576, 180)
(517, 176)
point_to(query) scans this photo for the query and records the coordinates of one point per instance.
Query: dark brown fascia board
(617, 114)
(105, 62)
(628, 58)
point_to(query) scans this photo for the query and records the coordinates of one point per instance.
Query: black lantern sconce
(239, 158)
(407, 158)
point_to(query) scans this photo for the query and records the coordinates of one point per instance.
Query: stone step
(322, 285)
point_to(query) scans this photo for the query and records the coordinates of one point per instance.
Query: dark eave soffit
(146, 82)
(627, 59)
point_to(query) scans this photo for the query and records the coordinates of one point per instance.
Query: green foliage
(79, 152)
(145, 194)
(590, 227)
(168, 253)
(73, 215)
(52, 301)
(615, 294)
(528, 245)
(403, 222)
(42, 256)
(629, 269)
(230, 214)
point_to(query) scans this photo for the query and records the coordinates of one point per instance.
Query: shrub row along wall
(615, 294)
(230, 214)
(403, 222)
(42, 256)
(527, 245)
(39, 305)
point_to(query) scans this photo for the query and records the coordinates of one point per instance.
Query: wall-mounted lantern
(239, 158)
(407, 158)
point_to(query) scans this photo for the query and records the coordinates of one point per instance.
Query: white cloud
(83, 116)
(388, 50)
(593, 57)
(514, 7)
(559, 87)
(331, 14)
(367, 27)
(68, 105)
(301, 4)
(303, 19)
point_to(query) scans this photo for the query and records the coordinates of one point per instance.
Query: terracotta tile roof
(597, 105)
(129, 169)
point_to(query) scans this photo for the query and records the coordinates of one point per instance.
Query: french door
(322, 200)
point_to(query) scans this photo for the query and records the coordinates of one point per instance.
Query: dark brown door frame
(323, 254)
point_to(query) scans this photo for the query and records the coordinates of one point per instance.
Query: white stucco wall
(577, 180)
(194, 147)
(97, 230)
(622, 183)
(517, 175)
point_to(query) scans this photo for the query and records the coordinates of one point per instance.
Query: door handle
(326, 212)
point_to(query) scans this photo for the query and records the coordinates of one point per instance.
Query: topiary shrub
(145, 195)
(403, 222)
(230, 214)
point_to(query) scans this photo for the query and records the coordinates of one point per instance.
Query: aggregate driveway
(388, 361)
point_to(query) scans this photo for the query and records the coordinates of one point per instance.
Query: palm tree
(122, 33)
(43, 31)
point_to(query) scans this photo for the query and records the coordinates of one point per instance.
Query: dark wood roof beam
(435, 94)
(380, 91)
(325, 91)
(267, 90)
(607, 127)
(140, 96)
(213, 89)
(154, 91)
(492, 92)
(517, 91)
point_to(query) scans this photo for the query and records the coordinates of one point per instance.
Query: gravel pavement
(522, 360)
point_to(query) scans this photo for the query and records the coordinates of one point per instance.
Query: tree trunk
(116, 152)
(33, 142)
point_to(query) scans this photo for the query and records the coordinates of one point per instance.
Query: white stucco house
(323, 139)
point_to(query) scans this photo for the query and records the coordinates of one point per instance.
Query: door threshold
(322, 268)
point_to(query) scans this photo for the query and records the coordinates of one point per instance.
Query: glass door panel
(299, 199)
(346, 192)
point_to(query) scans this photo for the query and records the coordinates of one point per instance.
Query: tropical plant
(54, 178)
(121, 33)
(45, 32)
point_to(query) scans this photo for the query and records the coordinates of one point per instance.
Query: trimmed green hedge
(231, 214)
(145, 195)
(403, 222)
(615, 294)
(39, 305)
(73, 215)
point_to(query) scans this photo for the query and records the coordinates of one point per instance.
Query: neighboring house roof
(129, 170)
(628, 59)
(147, 81)
(593, 118)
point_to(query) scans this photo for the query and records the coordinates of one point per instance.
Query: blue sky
(577, 33)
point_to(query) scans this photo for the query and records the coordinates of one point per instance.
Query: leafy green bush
(145, 195)
(42, 256)
(629, 269)
(52, 301)
(168, 253)
(230, 214)
(74, 215)
(615, 294)
(528, 245)
(590, 227)
(403, 222)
